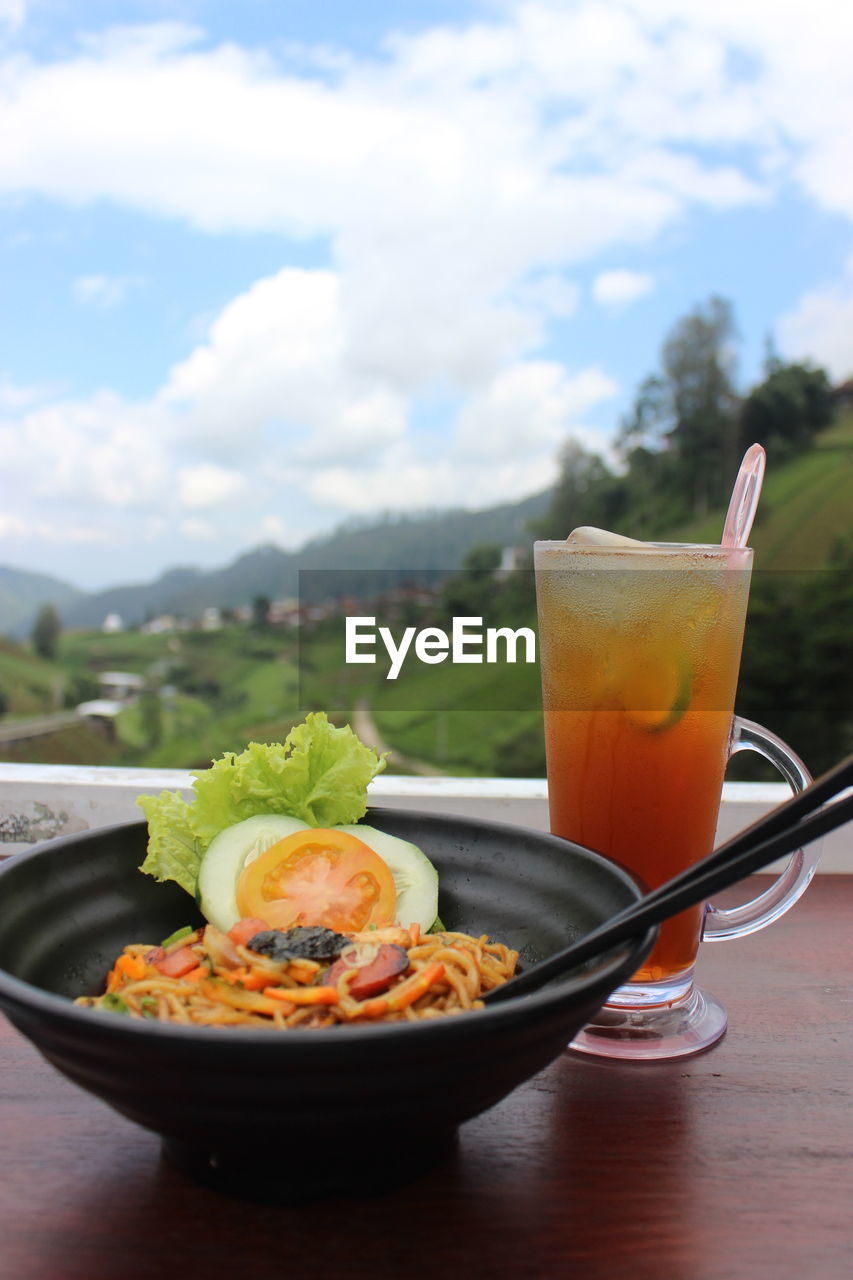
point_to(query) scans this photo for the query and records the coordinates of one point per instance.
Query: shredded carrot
(130, 967)
(232, 976)
(302, 970)
(196, 975)
(256, 979)
(304, 995)
(413, 988)
(243, 976)
(415, 933)
(408, 991)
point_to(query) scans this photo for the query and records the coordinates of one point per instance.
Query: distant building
(112, 623)
(99, 709)
(511, 558)
(160, 626)
(100, 714)
(120, 686)
(284, 613)
(211, 619)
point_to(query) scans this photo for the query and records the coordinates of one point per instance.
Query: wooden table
(734, 1164)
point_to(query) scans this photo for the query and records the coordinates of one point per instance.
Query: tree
(261, 612)
(46, 632)
(650, 418)
(586, 492)
(473, 590)
(151, 717)
(80, 686)
(686, 415)
(699, 367)
(786, 410)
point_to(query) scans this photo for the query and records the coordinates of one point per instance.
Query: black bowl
(281, 1115)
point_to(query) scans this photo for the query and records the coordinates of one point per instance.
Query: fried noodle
(448, 973)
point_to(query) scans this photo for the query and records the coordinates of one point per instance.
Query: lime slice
(654, 690)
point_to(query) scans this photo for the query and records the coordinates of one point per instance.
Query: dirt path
(365, 727)
(37, 726)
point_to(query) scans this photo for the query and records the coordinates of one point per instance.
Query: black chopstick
(766, 840)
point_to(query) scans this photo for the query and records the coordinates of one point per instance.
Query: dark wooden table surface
(735, 1163)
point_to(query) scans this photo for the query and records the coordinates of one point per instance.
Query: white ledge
(38, 802)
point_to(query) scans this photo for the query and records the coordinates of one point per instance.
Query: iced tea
(640, 649)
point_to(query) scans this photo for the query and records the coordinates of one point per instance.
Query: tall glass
(640, 649)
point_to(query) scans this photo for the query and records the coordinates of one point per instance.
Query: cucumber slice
(415, 878)
(227, 855)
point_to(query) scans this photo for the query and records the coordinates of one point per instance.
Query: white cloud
(617, 288)
(451, 176)
(12, 14)
(455, 185)
(101, 452)
(208, 485)
(197, 530)
(275, 365)
(504, 113)
(820, 327)
(507, 124)
(53, 532)
(406, 481)
(550, 293)
(504, 444)
(272, 528)
(103, 291)
(14, 398)
(527, 410)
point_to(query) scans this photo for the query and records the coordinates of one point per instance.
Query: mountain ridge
(392, 547)
(805, 510)
(23, 592)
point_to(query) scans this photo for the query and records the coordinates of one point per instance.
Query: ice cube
(587, 535)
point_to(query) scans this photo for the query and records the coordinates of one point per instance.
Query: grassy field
(218, 691)
(480, 720)
(466, 719)
(30, 686)
(805, 506)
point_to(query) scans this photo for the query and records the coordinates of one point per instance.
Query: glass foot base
(654, 1033)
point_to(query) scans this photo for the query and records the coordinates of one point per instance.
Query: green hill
(796, 676)
(222, 689)
(22, 593)
(806, 506)
(29, 685)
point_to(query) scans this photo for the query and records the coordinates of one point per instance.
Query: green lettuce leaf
(319, 775)
(174, 852)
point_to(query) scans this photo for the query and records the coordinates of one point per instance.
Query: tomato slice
(318, 877)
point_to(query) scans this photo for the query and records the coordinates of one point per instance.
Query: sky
(269, 267)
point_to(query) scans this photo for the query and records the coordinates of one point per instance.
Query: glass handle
(793, 880)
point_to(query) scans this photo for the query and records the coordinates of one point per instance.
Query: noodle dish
(313, 918)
